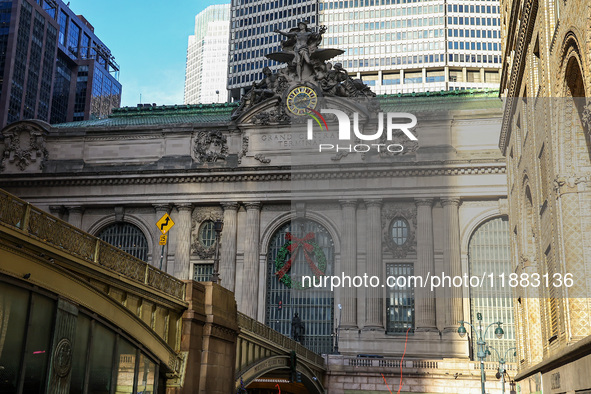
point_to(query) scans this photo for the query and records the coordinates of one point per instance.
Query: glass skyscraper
(52, 65)
(394, 45)
(207, 56)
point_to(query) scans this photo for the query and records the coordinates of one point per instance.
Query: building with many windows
(52, 65)
(207, 57)
(545, 138)
(394, 45)
(409, 46)
(252, 37)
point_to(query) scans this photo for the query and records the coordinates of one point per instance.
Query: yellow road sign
(163, 239)
(165, 223)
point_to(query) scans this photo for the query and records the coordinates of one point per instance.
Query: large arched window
(489, 252)
(285, 296)
(128, 238)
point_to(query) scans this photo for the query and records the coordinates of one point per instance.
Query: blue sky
(149, 41)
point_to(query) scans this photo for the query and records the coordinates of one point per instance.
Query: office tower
(413, 46)
(207, 56)
(394, 45)
(52, 65)
(252, 37)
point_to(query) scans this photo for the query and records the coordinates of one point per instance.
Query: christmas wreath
(291, 248)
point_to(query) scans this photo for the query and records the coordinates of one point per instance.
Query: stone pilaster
(159, 253)
(228, 246)
(452, 260)
(349, 260)
(75, 215)
(373, 317)
(424, 297)
(182, 232)
(250, 288)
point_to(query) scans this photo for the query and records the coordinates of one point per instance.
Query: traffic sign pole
(161, 257)
(164, 224)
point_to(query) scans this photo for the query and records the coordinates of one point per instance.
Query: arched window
(285, 296)
(489, 252)
(128, 238)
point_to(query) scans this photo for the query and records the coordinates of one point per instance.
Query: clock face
(300, 98)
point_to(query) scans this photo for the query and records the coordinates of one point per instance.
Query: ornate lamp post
(218, 227)
(480, 342)
(501, 373)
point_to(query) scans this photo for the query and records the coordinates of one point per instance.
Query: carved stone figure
(304, 42)
(307, 67)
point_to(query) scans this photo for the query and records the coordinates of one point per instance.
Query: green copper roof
(220, 113)
(455, 100)
(163, 114)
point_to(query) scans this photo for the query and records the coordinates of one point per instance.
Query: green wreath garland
(283, 257)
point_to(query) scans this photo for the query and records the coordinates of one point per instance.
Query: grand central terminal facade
(424, 196)
(439, 207)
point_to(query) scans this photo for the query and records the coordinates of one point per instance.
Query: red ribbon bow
(293, 249)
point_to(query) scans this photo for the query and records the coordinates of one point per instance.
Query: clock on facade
(300, 99)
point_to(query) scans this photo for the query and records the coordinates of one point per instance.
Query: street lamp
(501, 373)
(218, 225)
(336, 344)
(480, 342)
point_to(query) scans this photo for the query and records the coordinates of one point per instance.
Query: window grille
(315, 306)
(207, 234)
(400, 302)
(489, 252)
(128, 238)
(202, 272)
(399, 231)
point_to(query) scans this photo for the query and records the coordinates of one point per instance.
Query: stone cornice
(530, 9)
(272, 174)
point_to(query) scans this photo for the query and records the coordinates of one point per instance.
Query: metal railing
(420, 364)
(278, 339)
(34, 222)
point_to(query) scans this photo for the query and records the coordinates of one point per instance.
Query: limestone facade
(545, 137)
(138, 165)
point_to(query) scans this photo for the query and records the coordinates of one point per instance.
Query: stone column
(228, 246)
(349, 260)
(182, 232)
(373, 317)
(424, 297)
(452, 260)
(251, 259)
(159, 253)
(75, 215)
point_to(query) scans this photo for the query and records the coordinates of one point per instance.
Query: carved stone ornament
(306, 67)
(274, 116)
(408, 145)
(244, 149)
(260, 157)
(587, 117)
(570, 183)
(391, 213)
(23, 146)
(210, 146)
(62, 357)
(201, 215)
